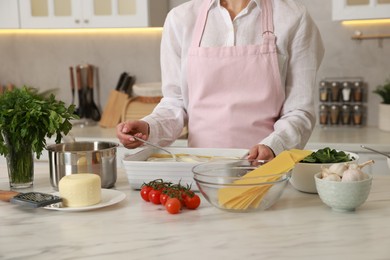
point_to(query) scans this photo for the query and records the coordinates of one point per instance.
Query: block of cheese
(80, 190)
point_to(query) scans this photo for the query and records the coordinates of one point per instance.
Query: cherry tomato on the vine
(164, 198)
(186, 193)
(145, 192)
(173, 205)
(154, 196)
(192, 202)
(173, 197)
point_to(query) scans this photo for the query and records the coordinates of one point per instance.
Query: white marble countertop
(299, 226)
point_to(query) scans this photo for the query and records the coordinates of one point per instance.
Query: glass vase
(20, 163)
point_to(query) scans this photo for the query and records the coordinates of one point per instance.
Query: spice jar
(345, 114)
(358, 91)
(334, 114)
(335, 90)
(357, 115)
(324, 114)
(346, 91)
(324, 91)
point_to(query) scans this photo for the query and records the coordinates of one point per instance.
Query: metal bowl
(83, 157)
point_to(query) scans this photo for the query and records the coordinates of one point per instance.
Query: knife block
(113, 110)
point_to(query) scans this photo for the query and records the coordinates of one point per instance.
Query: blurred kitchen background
(41, 58)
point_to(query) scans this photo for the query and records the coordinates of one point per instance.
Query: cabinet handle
(77, 21)
(86, 21)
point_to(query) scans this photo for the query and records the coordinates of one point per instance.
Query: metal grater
(35, 199)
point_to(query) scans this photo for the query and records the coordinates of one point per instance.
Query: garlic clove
(324, 172)
(338, 168)
(333, 177)
(353, 174)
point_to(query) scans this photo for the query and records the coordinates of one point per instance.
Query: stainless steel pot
(83, 157)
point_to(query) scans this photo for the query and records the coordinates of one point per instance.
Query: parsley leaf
(28, 117)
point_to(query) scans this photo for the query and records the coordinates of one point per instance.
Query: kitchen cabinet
(9, 14)
(360, 9)
(92, 13)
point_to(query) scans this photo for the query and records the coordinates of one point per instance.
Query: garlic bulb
(353, 174)
(338, 168)
(332, 177)
(346, 172)
(324, 172)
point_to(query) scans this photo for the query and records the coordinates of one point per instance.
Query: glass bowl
(227, 185)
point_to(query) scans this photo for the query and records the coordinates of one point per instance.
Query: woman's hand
(261, 152)
(126, 130)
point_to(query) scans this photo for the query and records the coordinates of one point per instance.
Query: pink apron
(235, 93)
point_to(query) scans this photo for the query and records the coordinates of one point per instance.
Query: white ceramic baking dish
(140, 171)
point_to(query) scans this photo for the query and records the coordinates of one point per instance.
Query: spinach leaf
(327, 155)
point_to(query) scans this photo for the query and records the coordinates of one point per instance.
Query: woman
(239, 73)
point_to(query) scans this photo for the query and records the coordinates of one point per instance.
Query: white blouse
(299, 45)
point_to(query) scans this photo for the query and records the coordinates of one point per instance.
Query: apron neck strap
(200, 23)
(267, 22)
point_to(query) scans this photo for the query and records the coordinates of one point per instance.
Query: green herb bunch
(384, 92)
(28, 117)
(327, 155)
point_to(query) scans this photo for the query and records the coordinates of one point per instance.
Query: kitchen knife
(122, 78)
(30, 199)
(129, 88)
(127, 85)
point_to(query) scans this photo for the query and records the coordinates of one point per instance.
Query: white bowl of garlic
(344, 188)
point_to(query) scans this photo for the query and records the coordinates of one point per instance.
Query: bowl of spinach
(302, 176)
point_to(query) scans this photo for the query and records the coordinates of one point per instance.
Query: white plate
(109, 197)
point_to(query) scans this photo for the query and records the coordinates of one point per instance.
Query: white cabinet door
(9, 14)
(92, 13)
(360, 9)
(50, 13)
(124, 13)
